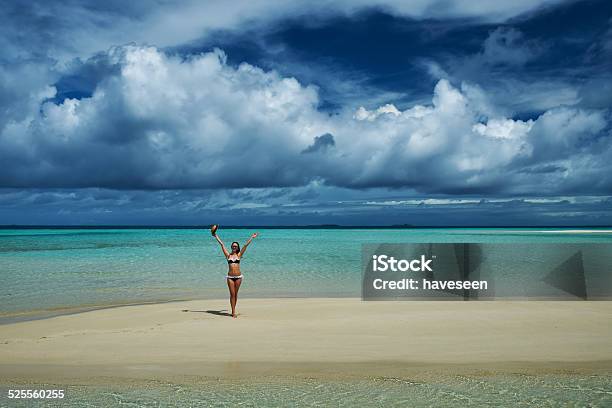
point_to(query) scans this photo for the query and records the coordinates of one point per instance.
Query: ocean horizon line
(313, 226)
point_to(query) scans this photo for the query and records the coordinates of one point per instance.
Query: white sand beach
(317, 337)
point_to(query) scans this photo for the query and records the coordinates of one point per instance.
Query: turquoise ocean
(46, 271)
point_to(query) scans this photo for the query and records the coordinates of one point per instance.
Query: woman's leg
(231, 284)
(237, 283)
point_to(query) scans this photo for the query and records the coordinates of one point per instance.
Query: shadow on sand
(214, 312)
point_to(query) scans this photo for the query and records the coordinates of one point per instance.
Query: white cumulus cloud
(162, 121)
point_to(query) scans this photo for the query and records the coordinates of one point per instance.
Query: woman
(234, 277)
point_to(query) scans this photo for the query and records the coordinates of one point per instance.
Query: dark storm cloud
(315, 206)
(548, 168)
(321, 143)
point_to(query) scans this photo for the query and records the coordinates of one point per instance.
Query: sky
(427, 113)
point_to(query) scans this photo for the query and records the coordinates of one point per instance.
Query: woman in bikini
(234, 277)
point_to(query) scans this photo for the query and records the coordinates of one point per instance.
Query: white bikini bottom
(234, 277)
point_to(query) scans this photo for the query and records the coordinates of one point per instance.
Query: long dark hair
(237, 243)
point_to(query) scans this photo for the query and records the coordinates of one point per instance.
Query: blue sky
(284, 113)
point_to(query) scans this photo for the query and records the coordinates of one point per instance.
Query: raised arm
(225, 252)
(243, 250)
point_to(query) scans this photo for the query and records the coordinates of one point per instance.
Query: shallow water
(508, 390)
(58, 268)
